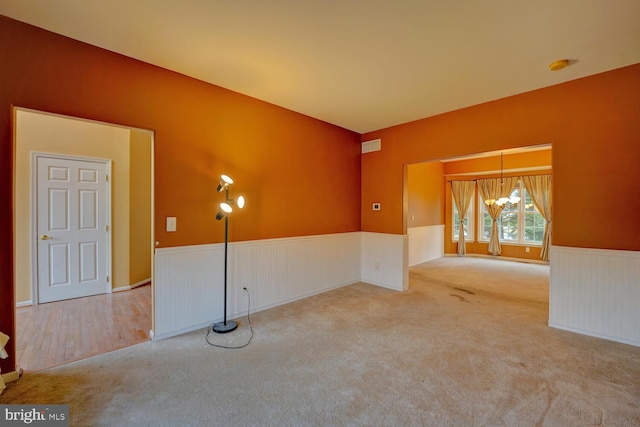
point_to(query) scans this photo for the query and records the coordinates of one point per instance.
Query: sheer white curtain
(462, 194)
(539, 188)
(494, 188)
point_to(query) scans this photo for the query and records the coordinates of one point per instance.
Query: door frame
(35, 155)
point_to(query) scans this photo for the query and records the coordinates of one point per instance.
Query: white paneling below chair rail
(425, 243)
(188, 289)
(596, 292)
(385, 260)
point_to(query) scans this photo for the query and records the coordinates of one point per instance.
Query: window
(468, 224)
(533, 221)
(521, 224)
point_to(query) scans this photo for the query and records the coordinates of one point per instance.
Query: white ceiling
(360, 64)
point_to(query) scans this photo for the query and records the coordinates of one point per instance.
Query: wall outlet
(526, 249)
(376, 206)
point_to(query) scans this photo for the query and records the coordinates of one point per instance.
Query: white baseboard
(623, 340)
(132, 286)
(140, 283)
(24, 304)
(502, 258)
(186, 329)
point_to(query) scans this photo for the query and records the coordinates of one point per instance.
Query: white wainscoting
(596, 292)
(425, 243)
(188, 288)
(385, 260)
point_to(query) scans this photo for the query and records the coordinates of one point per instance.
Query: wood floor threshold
(53, 334)
(84, 356)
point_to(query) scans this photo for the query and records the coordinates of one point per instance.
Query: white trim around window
(523, 208)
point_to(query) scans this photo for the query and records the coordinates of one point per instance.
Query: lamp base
(223, 328)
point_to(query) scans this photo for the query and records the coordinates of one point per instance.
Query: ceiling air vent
(373, 145)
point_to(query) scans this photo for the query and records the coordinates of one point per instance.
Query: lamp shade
(225, 182)
(225, 208)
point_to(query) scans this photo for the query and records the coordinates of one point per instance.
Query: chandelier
(504, 199)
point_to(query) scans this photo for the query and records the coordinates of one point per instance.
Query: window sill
(509, 243)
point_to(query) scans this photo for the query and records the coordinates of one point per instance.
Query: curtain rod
(517, 176)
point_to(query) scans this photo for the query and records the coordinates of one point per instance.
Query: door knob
(45, 237)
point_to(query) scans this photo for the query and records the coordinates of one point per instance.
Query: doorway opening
(430, 217)
(111, 305)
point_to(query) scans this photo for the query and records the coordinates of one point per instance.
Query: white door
(72, 235)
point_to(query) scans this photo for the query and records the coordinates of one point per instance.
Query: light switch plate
(171, 223)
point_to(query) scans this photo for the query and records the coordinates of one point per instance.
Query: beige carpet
(467, 345)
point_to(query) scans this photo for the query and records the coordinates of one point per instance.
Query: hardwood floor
(60, 332)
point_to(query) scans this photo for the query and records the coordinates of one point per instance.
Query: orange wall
(425, 183)
(301, 176)
(594, 125)
(529, 159)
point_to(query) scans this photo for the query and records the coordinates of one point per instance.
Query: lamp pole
(224, 326)
(226, 251)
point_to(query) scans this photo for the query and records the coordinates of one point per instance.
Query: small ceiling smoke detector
(559, 64)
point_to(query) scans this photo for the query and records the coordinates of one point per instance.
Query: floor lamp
(226, 208)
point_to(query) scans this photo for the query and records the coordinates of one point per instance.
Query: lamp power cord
(210, 328)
